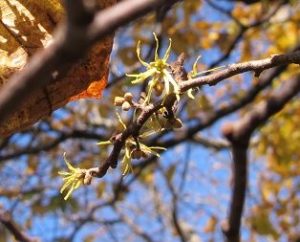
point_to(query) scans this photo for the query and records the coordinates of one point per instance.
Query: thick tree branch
(72, 40)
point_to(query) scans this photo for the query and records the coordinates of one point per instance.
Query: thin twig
(19, 235)
(256, 66)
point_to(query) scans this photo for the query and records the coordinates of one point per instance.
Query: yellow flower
(131, 145)
(73, 179)
(157, 70)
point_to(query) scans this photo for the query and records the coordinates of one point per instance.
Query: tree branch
(6, 220)
(256, 66)
(239, 133)
(63, 136)
(174, 208)
(119, 139)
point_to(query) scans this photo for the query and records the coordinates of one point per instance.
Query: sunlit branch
(256, 66)
(209, 119)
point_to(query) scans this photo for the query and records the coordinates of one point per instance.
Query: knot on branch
(236, 134)
(178, 71)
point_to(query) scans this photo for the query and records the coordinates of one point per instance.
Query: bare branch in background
(216, 144)
(6, 220)
(176, 223)
(51, 144)
(133, 226)
(242, 28)
(239, 133)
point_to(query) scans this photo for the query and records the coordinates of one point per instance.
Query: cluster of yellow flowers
(160, 79)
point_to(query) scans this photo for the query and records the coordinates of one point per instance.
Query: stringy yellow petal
(138, 53)
(167, 54)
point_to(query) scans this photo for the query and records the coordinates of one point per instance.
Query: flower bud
(128, 96)
(176, 123)
(168, 125)
(87, 179)
(158, 89)
(136, 154)
(118, 101)
(144, 154)
(126, 106)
